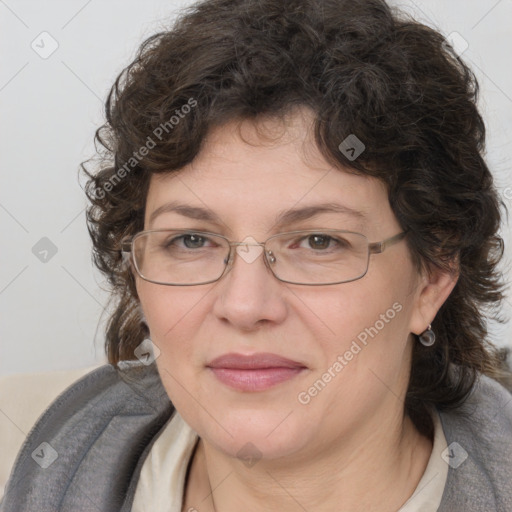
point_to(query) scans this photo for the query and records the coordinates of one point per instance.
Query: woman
(301, 236)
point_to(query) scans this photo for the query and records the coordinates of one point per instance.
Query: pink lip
(254, 373)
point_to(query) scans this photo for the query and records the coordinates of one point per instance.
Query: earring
(427, 337)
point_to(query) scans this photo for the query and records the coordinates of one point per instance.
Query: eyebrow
(283, 218)
(299, 214)
(192, 212)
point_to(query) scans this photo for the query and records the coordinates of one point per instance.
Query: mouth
(257, 372)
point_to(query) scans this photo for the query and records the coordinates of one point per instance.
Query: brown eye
(319, 241)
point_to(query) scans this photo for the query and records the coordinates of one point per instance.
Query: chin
(253, 434)
(270, 423)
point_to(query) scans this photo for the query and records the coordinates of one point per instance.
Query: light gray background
(51, 312)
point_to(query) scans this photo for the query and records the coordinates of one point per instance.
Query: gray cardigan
(85, 453)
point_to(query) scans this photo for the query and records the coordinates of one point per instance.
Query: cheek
(173, 315)
(359, 312)
(363, 356)
(366, 322)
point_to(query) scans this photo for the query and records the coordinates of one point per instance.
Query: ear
(433, 288)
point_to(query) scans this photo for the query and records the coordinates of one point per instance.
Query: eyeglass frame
(373, 248)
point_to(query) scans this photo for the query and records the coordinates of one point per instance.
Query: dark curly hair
(362, 69)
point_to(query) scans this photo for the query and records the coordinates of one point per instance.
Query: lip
(256, 372)
(253, 362)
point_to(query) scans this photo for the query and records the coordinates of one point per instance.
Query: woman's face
(352, 340)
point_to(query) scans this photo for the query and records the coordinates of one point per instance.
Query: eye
(321, 242)
(188, 241)
(193, 241)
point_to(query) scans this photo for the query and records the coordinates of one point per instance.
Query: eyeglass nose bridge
(268, 255)
(237, 244)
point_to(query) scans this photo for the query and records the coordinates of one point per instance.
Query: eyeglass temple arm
(126, 244)
(379, 247)
(126, 250)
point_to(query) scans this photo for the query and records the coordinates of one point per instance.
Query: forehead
(252, 172)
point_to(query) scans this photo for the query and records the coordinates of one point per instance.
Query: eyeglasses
(182, 257)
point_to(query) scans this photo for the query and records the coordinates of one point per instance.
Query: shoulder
(23, 398)
(94, 436)
(479, 453)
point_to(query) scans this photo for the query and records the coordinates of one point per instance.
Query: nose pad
(270, 257)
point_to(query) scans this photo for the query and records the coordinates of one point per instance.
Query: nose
(249, 296)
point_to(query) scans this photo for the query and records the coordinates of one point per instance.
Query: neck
(377, 468)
